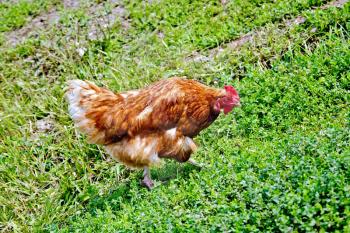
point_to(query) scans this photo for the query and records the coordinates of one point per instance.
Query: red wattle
(227, 109)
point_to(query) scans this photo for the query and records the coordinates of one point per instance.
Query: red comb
(232, 90)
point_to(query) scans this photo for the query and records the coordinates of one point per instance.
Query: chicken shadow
(172, 170)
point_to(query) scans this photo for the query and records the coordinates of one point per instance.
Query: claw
(147, 183)
(195, 163)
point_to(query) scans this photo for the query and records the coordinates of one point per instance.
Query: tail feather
(87, 107)
(78, 90)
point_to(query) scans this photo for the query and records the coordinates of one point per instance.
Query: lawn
(279, 163)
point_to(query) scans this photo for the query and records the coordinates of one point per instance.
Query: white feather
(171, 133)
(148, 110)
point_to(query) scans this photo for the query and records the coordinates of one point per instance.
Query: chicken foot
(195, 163)
(147, 181)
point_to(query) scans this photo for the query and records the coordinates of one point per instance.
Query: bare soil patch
(41, 127)
(101, 19)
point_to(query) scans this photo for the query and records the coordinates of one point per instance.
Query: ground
(280, 163)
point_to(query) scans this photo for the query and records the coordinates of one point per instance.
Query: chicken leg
(147, 181)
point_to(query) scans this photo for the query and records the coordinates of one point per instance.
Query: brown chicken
(140, 127)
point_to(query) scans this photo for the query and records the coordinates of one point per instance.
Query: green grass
(15, 15)
(205, 24)
(279, 163)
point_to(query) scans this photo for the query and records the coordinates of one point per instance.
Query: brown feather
(139, 127)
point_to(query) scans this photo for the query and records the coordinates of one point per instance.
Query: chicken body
(139, 127)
